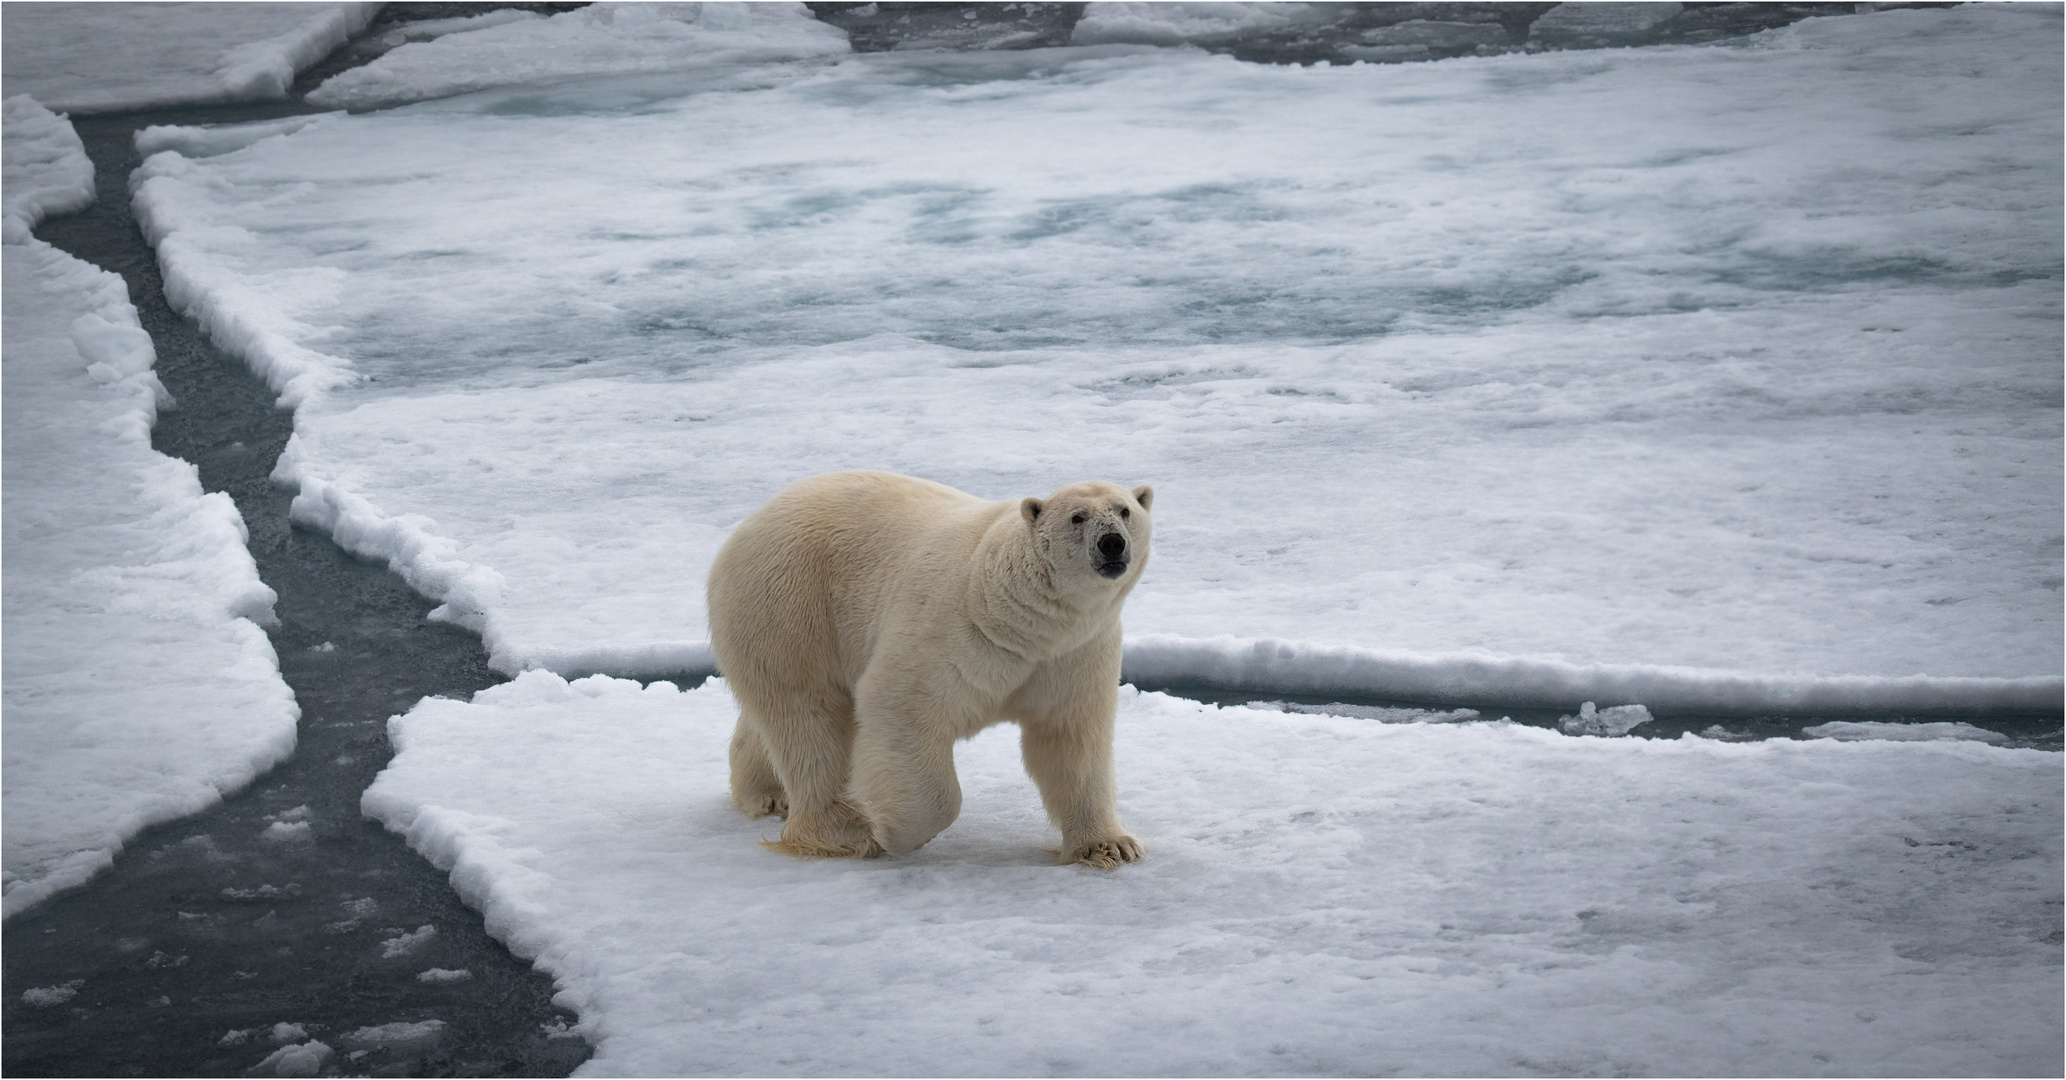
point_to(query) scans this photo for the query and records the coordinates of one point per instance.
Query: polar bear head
(1092, 532)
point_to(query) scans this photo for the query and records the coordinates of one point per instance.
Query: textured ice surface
(95, 57)
(46, 170)
(137, 687)
(1855, 730)
(1721, 377)
(1183, 23)
(601, 39)
(1321, 895)
(1611, 721)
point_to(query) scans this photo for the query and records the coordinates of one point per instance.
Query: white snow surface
(45, 170)
(1718, 377)
(601, 39)
(136, 685)
(1321, 895)
(110, 57)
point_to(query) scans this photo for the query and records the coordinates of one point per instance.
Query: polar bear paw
(840, 833)
(1106, 854)
(760, 806)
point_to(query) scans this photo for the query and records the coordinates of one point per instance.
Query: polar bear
(866, 621)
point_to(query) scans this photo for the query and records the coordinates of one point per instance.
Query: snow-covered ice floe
(1321, 895)
(138, 686)
(1719, 377)
(109, 57)
(601, 39)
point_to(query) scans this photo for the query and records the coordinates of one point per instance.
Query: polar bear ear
(1144, 495)
(1031, 508)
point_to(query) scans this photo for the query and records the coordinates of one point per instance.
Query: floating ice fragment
(1858, 730)
(45, 997)
(395, 1036)
(405, 944)
(364, 905)
(284, 1033)
(281, 832)
(1578, 25)
(1383, 714)
(263, 892)
(444, 975)
(304, 1060)
(1614, 720)
(234, 1037)
(162, 959)
(1717, 731)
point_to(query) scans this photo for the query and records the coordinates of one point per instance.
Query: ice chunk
(46, 997)
(404, 944)
(443, 975)
(600, 39)
(200, 142)
(45, 169)
(1856, 730)
(305, 1059)
(1381, 713)
(1321, 895)
(1614, 720)
(1517, 387)
(396, 1036)
(287, 831)
(1182, 23)
(84, 58)
(1595, 24)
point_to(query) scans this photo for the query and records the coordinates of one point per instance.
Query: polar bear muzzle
(1111, 558)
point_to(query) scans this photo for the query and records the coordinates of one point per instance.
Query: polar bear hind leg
(756, 790)
(807, 742)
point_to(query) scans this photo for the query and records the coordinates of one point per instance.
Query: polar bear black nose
(1111, 545)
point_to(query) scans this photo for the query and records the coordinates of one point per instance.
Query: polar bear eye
(1125, 513)
(1075, 519)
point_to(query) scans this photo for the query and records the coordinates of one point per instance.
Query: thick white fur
(865, 621)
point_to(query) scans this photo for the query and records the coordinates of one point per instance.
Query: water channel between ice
(207, 945)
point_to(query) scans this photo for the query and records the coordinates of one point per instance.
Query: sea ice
(403, 944)
(398, 1035)
(1854, 730)
(1719, 378)
(138, 687)
(304, 1059)
(109, 57)
(1321, 895)
(600, 39)
(46, 170)
(1611, 721)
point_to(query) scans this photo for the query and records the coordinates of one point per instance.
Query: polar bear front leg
(903, 768)
(1070, 759)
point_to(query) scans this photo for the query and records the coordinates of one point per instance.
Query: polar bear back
(805, 583)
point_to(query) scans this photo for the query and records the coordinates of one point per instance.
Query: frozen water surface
(1727, 374)
(1321, 895)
